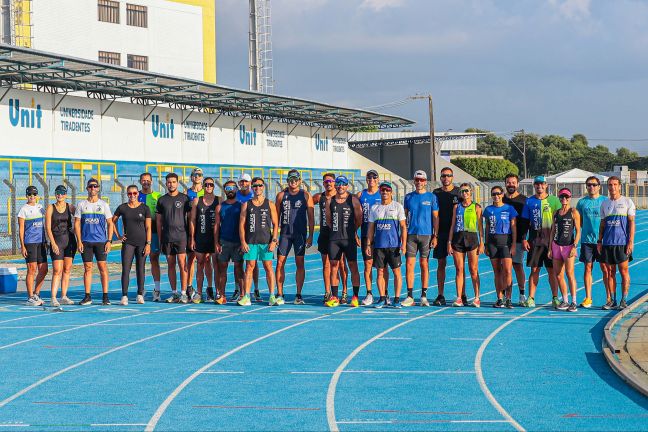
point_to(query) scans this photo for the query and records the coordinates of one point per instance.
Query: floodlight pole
(522, 150)
(433, 167)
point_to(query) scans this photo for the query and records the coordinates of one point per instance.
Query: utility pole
(433, 167)
(522, 150)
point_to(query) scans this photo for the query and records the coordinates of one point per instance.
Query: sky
(545, 66)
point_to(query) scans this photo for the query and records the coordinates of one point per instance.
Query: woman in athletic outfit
(59, 226)
(136, 241)
(201, 229)
(499, 231)
(465, 240)
(565, 234)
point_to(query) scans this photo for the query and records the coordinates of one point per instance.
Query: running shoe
(221, 300)
(280, 301)
(522, 300)
(368, 300)
(327, 297)
(409, 301)
(622, 304)
(508, 304)
(235, 296)
(333, 302)
(87, 300)
(563, 306)
(380, 304)
(272, 301)
(244, 301)
(397, 304)
(476, 303)
(175, 298)
(424, 301)
(197, 298)
(257, 296)
(140, 299)
(530, 303)
(587, 303)
(388, 301)
(299, 300)
(499, 303)
(66, 301)
(555, 302)
(210, 294)
(124, 301)
(439, 301)
(184, 298)
(458, 302)
(54, 302)
(572, 307)
(190, 291)
(464, 299)
(105, 301)
(355, 301)
(344, 299)
(611, 304)
(156, 296)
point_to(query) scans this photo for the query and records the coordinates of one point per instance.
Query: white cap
(420, 174)
(245, 177)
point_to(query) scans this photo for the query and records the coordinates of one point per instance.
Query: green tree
(486, 169)
(625, 156)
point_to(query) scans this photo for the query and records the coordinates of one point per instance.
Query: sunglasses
(197, 175)
(446, 175)
(494, 194)
(293, 180)
(564, 196)
(230, 188)
(133, 193)
(208, 184)
(60, 193)
(372, 177)
(341, 184)
(257, 185)
(93, 186)
(329, 181)
(385, 190)
(420, 180)
(465, 191)
(593, 184)
(32, 194)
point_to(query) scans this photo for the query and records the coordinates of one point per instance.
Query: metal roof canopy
(57, 73)
(443, 140)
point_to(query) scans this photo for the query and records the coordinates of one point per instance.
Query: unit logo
(25, 117)
(247, 138)
(321, 144)
(162, 130)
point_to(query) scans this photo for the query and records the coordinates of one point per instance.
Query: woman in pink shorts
(565, 234)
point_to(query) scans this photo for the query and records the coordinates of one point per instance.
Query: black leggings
(128, 252)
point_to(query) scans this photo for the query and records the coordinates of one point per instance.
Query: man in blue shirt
(422, 212)
(243, 195)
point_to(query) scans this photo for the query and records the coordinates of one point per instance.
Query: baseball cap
(372, 172)
(92, 181)
(565, 191)
(539, 179)
(245, 177)
(31, 190)
(60, 190)
(420, 174)
(386, 184)
(196, 171)
(342, 179)
(293, 173)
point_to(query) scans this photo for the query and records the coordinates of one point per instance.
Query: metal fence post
(73, 189)
(12, 217)
(123, 190)
(45, 185)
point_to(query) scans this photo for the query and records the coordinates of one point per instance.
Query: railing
(83, 169)
(11, 161)
(183, 171)
(234, 172)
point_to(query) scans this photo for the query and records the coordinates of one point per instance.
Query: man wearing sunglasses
(323, 200)
(422, 212)
(589, 208)
(368, 198)
(228, 242)
(31, 232)
(343, 218)
(387, 241)
(150, 197)
(539, 210)
(94, 230)
(297, 223)
(196, 190)
(258, 228)
(447, 196)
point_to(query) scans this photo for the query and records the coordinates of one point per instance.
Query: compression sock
(356, 291)
(396, 299)
(334, 290)
(409, 292)
(382, 298)
(423, 292)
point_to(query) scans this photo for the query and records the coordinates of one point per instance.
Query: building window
(108, 11)
(136, 15)
(138, 62)
(112, 58)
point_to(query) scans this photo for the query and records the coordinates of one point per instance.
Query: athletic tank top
(324, 229)
(205, 218)
(293, 214)
(564, 234)
(229, 221)
(62, 222)
(258, 223)
(342, 219)
(466, 219)
(367, 200)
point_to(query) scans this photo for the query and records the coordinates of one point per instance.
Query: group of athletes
(200, 234)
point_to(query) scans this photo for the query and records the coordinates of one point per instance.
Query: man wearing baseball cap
(195, 191)
(539, 210)
(422, 212)
(243, 195)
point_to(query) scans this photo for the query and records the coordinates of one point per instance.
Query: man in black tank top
(323, 200)
(258, 228)
(201, 232)
(343, 219)
(297, 222)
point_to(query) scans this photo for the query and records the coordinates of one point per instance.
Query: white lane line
(468, 339)
(396, 338)
(482, 348)
(220, 373)
(416, 421)
(116, 424)
(404, 372)
(165, 404)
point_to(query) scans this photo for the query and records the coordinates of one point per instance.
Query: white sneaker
(66, 301)
(424, 301)
(184, 298)
(124, 301)
(522, 301)
(34, 301)
(368, 300)
(55, 303)
(140, 299)
(156, 295)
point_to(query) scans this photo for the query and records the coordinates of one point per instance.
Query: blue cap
(386, 184)
(342, 179)
(60, 190)
(539, 179)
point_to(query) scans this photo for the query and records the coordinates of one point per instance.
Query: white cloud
(378, 5)
(572, 9)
